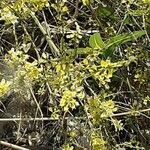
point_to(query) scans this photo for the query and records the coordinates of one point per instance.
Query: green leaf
(123, 38)
(105, 11)
(96, 41)
(115, 41)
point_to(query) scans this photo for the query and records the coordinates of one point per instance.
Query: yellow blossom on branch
(4, 87)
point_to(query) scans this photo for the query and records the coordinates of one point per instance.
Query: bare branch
(12, 146)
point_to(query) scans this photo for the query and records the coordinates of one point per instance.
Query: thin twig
(56, 30)
(27, 119)
(15, 35)
(75, 15)
(34, 46)
(138, 112)
(38, 106)
(16, 147)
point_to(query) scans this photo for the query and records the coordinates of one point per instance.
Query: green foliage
(91, 86)
(96, 41)
(120, 39)
(107, 48)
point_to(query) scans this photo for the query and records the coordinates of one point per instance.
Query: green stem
(51, 44)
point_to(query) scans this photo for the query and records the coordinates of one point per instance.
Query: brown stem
(12, 146)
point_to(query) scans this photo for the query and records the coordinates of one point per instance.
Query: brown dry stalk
(16, 147)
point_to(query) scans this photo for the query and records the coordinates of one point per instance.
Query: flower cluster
(99, 110)
(68, 100)
(97, 142)
(4, 87)
(22, 7)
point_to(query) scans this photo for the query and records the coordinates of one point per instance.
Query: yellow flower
(146, 1)
(105, 63)
(97, 142)
(4, 87)
(8, 16)
(64, 9)
(107, 108)
(32, 71)
(67, 147)
(68, 100)
(87, 2)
